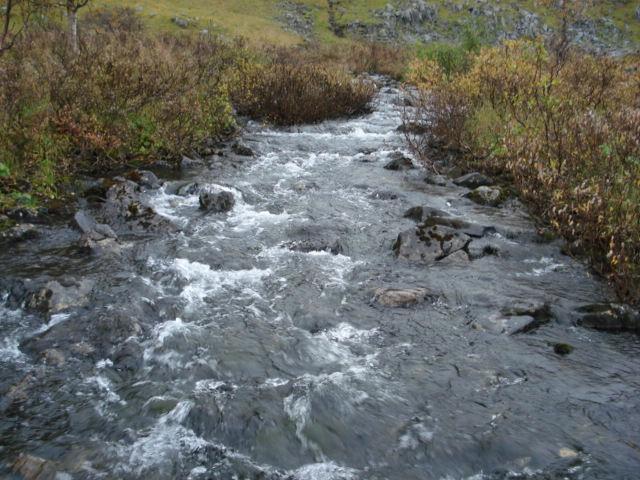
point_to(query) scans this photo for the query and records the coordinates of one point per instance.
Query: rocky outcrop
(214, 200)
(396, 297)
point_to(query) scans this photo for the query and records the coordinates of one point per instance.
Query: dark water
(239, 358)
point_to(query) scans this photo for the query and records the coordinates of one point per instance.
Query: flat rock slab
(392, 297)
(473, 180)
(428, 244)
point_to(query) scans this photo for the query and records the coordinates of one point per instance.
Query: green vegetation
(563, 126)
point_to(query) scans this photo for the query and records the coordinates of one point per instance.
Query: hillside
(607, 25)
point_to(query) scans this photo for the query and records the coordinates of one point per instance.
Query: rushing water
(240, 358)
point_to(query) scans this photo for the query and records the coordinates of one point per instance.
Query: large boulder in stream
(124, 209)
(609, 317)
(396, 297)
(428, 244)
(215, 200)
(430, 216)
(399, 161)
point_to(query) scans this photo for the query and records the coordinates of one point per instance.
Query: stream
(258, 344)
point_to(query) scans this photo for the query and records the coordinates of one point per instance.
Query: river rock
(315, 238)
(188, 189)
(216, 201)
(610, 317)
(123, 208)
(437, 180)
(456, 259)
(430, 216)
(53, 357)
(473, 180)
(145, 179)
(19, 233)
(392, 297)
(242, 150)
(480, 248)
(54, 297)
(30, 467)
(188, 163)
(399, 162)
(491, 196)
(428, 244)
(526, 317)
(91, 229)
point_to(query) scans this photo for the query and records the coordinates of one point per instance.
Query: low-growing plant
(564, 127)
(289, 89)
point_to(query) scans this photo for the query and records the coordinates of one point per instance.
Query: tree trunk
(72, 18)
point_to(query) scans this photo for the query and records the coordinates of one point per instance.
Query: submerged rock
(524, 318)
(384, 195)
(473, 180)
(399, 162)
(610, 317)
(30, 467)
(392, 297)
(216, 201)
(315, 238)
(490, 196)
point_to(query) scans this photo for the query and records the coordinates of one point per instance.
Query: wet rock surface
(286, 339)
(398, 161)
(215, 200)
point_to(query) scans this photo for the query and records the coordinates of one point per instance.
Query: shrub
(122, 99)
(565, 129)
(289, 89)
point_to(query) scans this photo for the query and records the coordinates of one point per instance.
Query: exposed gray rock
(480, 248)
(189, 163)
(124, 209)
(216, 201)
(305, 186)
(428, 244)
(188, 189)
(54, 297)
(392, 297)
(145, 179)
(610, 317)
(456, 259)
(399, 162)
(315, 238)
(181, 22)
(473, 180)
(91, 229)
(491, 196)
(438, 180)
(430, 216)
(242, 150)
(526, 317)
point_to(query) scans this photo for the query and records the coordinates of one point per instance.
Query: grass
(257, 20)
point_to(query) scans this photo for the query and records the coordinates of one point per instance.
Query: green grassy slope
(258, 20)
